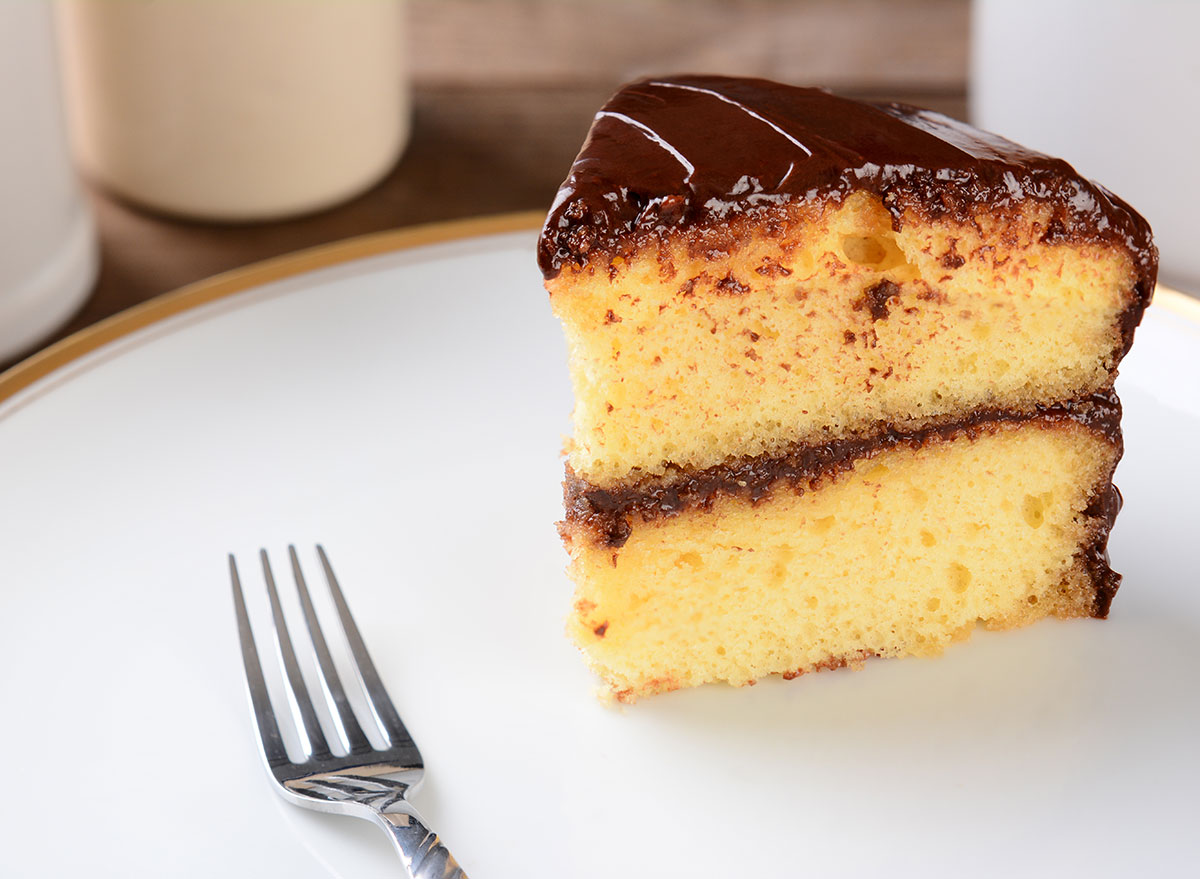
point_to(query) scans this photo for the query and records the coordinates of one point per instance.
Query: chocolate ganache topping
(693, 151)
(607, 514)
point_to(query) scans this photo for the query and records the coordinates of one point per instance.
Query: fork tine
(260, 702)
(377, 697)
(318, 747)
(333, 683)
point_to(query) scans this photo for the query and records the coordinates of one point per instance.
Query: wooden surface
(474, 151)
(906, 44)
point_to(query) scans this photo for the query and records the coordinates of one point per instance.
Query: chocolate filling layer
(1104, 508)
(607, 513)
(689, 153)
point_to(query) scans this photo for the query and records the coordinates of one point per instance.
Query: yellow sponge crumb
(898, 556)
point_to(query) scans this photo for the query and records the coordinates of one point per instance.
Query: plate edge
(65, 351)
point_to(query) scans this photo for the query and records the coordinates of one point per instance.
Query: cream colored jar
(235, 110)
(48, 253)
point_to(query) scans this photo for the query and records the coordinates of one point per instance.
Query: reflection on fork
(367, 782)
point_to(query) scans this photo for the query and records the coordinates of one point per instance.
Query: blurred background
(209, 134)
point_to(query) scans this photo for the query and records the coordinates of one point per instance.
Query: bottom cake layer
(900, 554)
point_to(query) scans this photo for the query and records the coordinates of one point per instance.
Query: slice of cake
(843, 381)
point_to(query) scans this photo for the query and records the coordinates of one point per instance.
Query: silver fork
(352, 784)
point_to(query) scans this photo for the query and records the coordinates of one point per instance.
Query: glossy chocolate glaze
(607, 515)
(671, 154)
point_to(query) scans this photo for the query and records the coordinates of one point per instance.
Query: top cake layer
(745, 269)
(664, 155)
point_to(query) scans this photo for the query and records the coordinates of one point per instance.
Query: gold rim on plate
(152, 311)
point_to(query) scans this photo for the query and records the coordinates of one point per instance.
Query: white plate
(406, 409)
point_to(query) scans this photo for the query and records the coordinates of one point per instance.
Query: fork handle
(420, 848)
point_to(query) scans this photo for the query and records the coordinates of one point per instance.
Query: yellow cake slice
(843, 379)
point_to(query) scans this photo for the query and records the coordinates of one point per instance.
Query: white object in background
(233, 110)
(1110, 86)
(48, 254)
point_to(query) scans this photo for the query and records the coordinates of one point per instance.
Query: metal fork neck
(419, 847)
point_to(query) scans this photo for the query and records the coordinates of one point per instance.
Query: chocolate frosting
(668, 154)
(607, 512)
